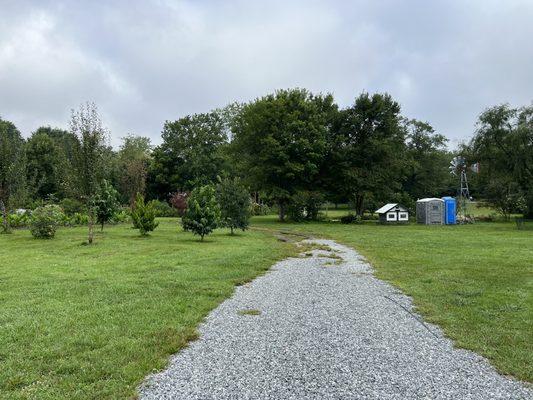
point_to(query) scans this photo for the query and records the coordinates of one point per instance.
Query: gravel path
(327, 329)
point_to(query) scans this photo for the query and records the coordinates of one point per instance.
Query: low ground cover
(475, 281)
(91, 321)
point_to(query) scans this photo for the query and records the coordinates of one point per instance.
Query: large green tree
(49, 166)
(366, 159)
(189, 156)
(503, 145)
(428, 159)
(280, 142)
(12, 165)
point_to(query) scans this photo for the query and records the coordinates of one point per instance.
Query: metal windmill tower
(458, 167)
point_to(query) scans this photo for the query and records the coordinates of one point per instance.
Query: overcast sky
(146, 62)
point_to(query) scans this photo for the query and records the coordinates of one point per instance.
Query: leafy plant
(105, 203)
(71, 206)
(163, 209)
(179, 202)
(234, 201)
(45, 220)
(143, 216)
(305, 205)
(259, 209)
(203, 212)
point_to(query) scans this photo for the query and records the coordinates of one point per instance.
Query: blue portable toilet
(449, 210)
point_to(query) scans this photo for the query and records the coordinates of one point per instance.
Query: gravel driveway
(326, 329)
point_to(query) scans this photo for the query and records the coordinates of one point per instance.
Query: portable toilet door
(450, 208)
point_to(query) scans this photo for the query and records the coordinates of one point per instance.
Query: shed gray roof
(388, 206)
(429, 199)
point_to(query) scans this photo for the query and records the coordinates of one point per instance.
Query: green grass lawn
(475, 281)
(89, 322)
(84, 322)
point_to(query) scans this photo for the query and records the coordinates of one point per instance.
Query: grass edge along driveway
(87, 322)
(474, 281)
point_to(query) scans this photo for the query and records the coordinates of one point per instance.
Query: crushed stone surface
(325, 328)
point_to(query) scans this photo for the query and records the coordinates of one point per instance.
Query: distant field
(475, 281)
(80, 322)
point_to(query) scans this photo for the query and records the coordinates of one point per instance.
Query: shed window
(391, 216)
(403, 216)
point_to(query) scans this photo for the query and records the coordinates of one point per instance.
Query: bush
(44, 221)
(121, 216)
(259, 209)
(19, 219)
(179, 202)
(72, 206)
(305, 205)
(350, 219)
(143, 216)
(79, 219)
(203, 212)
(163, 209)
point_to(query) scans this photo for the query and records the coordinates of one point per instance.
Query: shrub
(234, 201)
(143, 216)
(123, 215)
(72, 206)
(44, 221)
(350, 219)
(19, 219)
(305, 205)
(79, 219)
(178, 200)
(203, 212)
(163, 209)
(259, 209)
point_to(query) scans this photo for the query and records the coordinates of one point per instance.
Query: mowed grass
(474, 281)
(89, 322)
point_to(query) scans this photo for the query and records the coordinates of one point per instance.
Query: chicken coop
(393, 213)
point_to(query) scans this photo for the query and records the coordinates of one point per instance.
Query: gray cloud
(146, 62)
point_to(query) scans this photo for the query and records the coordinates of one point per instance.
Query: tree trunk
(91, 229)
(281, 206)
(5, 217)
(359, 204)
(102, 227)
(231, 228)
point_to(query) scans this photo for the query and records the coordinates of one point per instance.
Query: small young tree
(133, 159)
(143, 216)
(203, 212)
(234, 201)
(87, 126)
(105, 203)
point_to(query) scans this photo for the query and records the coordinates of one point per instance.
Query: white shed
(393, 212)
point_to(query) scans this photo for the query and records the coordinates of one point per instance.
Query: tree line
(292, 149)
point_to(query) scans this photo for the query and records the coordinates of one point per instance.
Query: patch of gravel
(325, 332)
